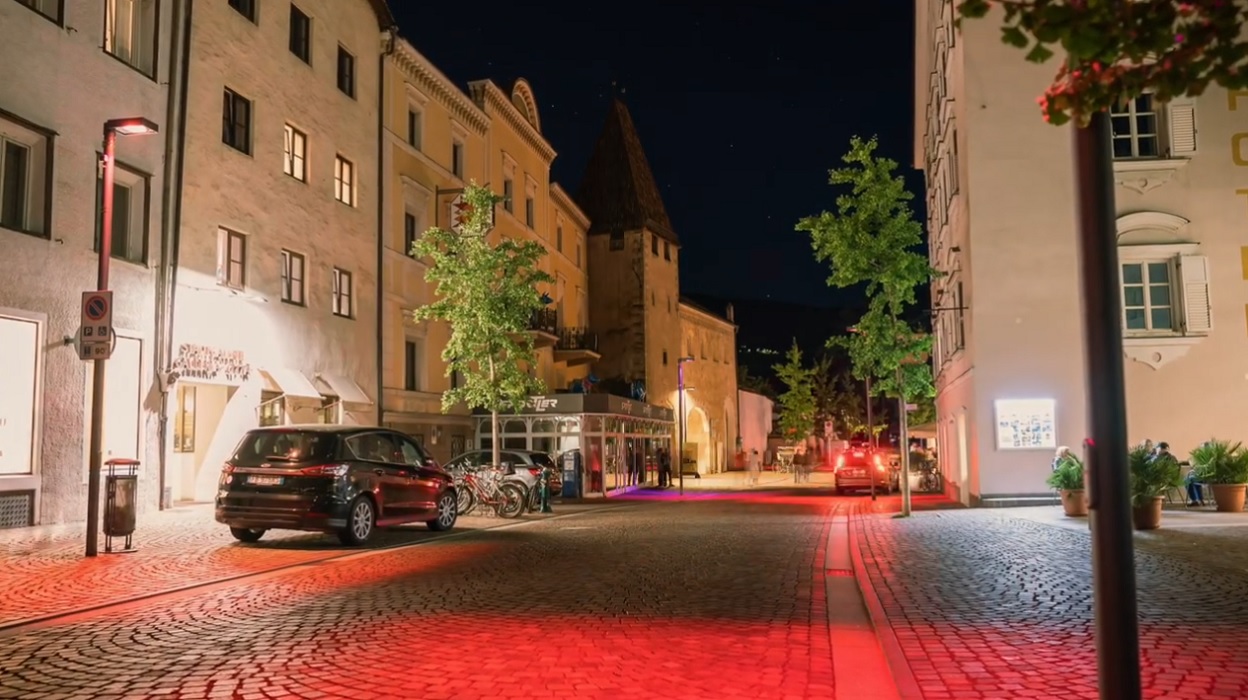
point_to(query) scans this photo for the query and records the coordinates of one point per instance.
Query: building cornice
(421, 71)
(490, 98)
(564, 200)
(705, 315)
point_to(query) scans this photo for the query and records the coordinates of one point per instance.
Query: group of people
(1161, 450)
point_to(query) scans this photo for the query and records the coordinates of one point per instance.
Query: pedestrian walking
(665, 468)
(752, 467)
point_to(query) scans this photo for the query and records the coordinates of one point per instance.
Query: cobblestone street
(992, 604)
(708, 598)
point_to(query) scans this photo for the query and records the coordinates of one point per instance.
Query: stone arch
(1151, 227)
(698, 433)
(522, 98)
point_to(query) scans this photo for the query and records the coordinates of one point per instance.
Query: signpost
(95, 339)
(461, 211)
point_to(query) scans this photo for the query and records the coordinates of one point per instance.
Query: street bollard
(545, 491)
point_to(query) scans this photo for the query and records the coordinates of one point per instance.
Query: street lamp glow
(131, 126)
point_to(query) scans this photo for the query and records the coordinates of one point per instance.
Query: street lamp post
(680, 400)
(870, 431)
(132, 126)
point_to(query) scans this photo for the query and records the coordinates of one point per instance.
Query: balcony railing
(545, 321)
(577, 339)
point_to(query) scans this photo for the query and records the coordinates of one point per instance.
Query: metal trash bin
(121, 504)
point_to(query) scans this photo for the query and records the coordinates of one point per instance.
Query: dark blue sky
(742, 110)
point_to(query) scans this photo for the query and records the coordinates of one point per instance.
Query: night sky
(742, 110)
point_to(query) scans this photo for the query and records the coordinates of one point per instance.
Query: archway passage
(697, 442)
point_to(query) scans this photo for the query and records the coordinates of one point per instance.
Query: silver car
(523, 467)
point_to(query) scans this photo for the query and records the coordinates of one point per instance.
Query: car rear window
(542, 459)
(275, 446)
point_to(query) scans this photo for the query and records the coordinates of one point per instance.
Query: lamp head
(131, 126)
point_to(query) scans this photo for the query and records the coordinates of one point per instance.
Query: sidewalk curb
(903, 675)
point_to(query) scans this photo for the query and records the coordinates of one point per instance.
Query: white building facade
(1002, 225)
(70, 66)
(275, 297)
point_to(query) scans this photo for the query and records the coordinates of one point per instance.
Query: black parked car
(348, 480)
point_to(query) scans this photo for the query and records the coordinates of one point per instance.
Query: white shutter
(1194, 276)
(223, 255)
(1182, 118)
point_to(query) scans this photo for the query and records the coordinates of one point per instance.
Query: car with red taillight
(858, 467)
(346, 480)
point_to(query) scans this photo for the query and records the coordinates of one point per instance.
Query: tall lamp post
(132, 126)
(680, 400)
(870, 425)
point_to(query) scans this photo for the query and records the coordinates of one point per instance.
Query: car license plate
(853, 472)
(257, 480)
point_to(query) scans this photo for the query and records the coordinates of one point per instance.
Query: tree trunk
(494, 447)
(903, 443)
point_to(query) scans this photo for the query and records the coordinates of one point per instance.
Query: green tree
(797, 402)
(487, 293)
(1119, 50)
(750, 382)
(872, 238)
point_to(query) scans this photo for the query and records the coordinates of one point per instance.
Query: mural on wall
(207, 363)
(1026, 424)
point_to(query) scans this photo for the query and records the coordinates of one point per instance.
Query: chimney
(728, 312)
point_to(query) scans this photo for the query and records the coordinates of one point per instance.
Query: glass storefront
(618, 440)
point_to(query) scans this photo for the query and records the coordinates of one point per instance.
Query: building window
(346, 72)
(1147, 297)
(411, 365)
(667, 250)
(344, 181)
(664, 358)
(415, 128)
(509, 195)
(272, 409)
(578, 255)
(457, 159)
(131, 191)
(184, 419)
(231, 259)
(617, 240)
(130, 33)
(1136, 128)
(654, 244)
(236, 122)
(559, 238)
(294, 163)
(530, 212)
(409, 232)
(48, 8)
(246, 8)
(343, 294)
(25, 157)
(293, 271)
(456, 381)
(328, 413)
(300, 35)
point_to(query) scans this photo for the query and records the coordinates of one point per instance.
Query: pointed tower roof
(618, 192)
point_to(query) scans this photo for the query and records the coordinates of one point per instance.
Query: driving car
(523, 467)
(345, 480)
(857, 467)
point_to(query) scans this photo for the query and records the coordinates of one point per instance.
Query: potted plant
(1225, 468)
(1067, 478)
(1152, 475)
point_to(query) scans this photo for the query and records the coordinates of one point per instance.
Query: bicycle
(484, 486)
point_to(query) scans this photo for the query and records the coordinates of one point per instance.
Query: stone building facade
(1002, 225)
(711, 397)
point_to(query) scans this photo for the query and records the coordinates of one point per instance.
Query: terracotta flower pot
(1229, 497)
(1148, 515)
(1074, 502)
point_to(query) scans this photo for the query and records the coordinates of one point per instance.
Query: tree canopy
(797, 401)
(1120, 50)
(873, 238)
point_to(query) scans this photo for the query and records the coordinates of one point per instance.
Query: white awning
(291, 382)
(344, 388)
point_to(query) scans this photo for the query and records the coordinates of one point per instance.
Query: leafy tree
(797, 403)
(1119, 50)
(750, 382)
(873, 238)
(487, 293)
(925, 411)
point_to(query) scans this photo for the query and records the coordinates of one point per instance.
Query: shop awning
(344, 388)
(923, 430)
(290, 382)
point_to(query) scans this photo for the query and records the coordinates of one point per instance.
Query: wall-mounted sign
(211, 364)
(1026, 424)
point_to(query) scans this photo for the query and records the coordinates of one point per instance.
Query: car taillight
(325, 470)
(877, 461)
(535, 471)
(840, 461)
(227, 474)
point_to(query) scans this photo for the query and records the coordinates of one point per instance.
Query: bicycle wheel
(467, 500)
(511, 504)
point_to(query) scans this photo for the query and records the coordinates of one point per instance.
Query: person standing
(753, 466)
(665, 468)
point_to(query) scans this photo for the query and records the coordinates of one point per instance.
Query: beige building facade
(275, 295)
(111, 63)
(1002, 225)
(711, 397)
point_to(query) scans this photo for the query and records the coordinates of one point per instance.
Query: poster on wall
(19, 348)
(1026, 424)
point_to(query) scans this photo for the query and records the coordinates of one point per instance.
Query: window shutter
(1182, 113)
(1194, 276)
(223, 255)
